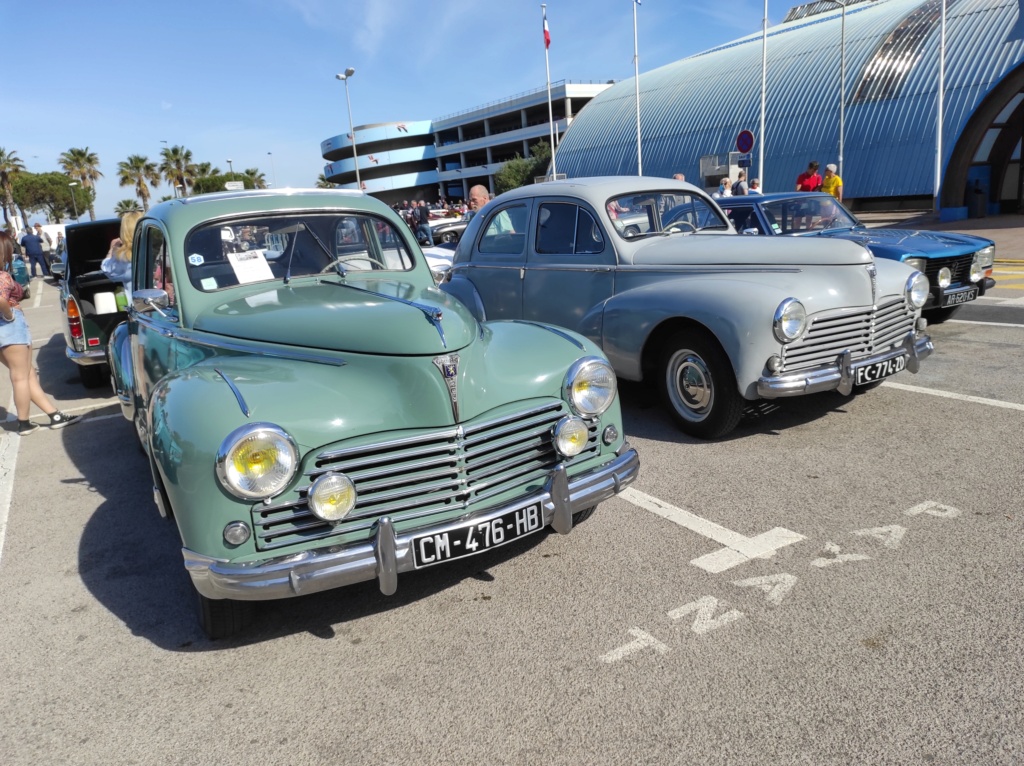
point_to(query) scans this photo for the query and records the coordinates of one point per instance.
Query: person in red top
(809, 180)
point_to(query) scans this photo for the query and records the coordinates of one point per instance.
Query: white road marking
(958, 397)
(776, 586)
(890, 536)
(835, 557)
(934, 509)
(642, 640)
(738, 548)
(9, 443)
(985, 324)
(705, 621)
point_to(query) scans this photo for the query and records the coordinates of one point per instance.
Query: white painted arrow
(776, 586)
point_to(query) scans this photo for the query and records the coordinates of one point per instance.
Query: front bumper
(840, 376)
(389, 553)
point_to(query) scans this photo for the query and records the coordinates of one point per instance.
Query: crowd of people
(419, 213)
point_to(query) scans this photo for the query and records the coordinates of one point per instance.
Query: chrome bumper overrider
(840, 376)
(389, 552)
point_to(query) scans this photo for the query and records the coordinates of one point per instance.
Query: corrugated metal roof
(698, 105)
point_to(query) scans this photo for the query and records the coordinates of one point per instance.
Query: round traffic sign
(744, 141)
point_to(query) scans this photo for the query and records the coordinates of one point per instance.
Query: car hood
(737, 250)
(909, 241)
(330, 315)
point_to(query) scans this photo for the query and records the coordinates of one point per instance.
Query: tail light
(75, 324)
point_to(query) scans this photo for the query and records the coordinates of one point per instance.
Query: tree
(83, 166)
(211, 184)
(323, 183)
(139, 172)
(127, 206)
(521, 171)
(204, 169)
(259, 181)
(46, 192)
(177, 167)
(10, 165)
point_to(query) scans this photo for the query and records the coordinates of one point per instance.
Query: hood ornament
(448, 366)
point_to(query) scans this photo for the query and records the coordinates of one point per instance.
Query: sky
(254, 80)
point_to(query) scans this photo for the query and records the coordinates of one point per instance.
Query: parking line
(958, 397)
(986, 324)
(738, 548)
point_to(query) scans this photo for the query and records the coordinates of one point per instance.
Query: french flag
(547, 33)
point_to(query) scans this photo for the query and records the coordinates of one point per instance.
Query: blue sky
(254, 80)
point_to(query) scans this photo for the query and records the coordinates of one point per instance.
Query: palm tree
(205, 170)
(259, 181)
(323, 183)
(83, 166)
(127, 206)
(177, 167)
(140, 172)
(10, 164)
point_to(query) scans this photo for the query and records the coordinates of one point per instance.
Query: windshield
(265, 248)
(637, 215)
(796, 215)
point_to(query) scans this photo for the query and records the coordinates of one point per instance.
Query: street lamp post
(351, 130)
(842, 79)
(231, 168)
(273, 168)
(74, 202)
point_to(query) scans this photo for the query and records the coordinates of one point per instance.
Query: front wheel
(449, 236)
(580, 516)
(938, 316)
(698, 386)
(221, 618)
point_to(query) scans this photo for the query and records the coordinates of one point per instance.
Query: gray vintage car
(652, 270)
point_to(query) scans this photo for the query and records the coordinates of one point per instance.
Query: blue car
(958, 266)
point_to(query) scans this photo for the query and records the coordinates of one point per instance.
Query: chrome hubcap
(690, 386)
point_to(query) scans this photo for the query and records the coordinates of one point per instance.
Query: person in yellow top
(832, 183)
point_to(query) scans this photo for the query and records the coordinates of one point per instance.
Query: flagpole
(547, 69)
(636, 80)
(764, 83)
(937, 202)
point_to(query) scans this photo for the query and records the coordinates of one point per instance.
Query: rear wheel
(221, 618)
(93, 376)
(698, 385)
(449, 236)
(938, 316)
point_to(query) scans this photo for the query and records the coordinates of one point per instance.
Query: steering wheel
(681, 226)
(343, 259)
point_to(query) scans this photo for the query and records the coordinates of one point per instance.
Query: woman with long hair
(16, 350)
(118, 263)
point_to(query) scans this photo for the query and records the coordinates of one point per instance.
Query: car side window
(745, 218)
(505, 231)
(567, 228)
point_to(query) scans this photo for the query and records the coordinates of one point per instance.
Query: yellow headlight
(257, 461)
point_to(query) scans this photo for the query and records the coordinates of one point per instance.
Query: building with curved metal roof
(697, 106)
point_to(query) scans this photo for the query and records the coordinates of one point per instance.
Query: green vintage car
(316, 413)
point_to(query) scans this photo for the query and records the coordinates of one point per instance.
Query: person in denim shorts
(16, 350)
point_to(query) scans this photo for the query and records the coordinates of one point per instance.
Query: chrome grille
(420, 473)
(862, 332)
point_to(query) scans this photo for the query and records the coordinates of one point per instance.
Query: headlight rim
(313, 489)
(568, 386)
(908, 289)
(564, 423)
(779, 318)
(233, 439)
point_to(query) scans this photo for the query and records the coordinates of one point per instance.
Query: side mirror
(753, 232)
(144, 301)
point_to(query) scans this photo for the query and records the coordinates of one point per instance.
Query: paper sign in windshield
(250, 266)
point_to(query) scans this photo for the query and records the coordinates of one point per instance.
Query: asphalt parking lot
(837, 582)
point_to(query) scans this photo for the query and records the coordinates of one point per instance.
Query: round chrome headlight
(977, 272)
(917, 289)
(570, 436)
(257, 461)
(945, 277)
(332, 496)
(790, 320)
(590, 386)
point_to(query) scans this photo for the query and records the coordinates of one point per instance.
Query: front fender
(465, 291)
(738, 313)
(119, 358)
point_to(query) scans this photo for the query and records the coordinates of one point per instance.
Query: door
(499, 255)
